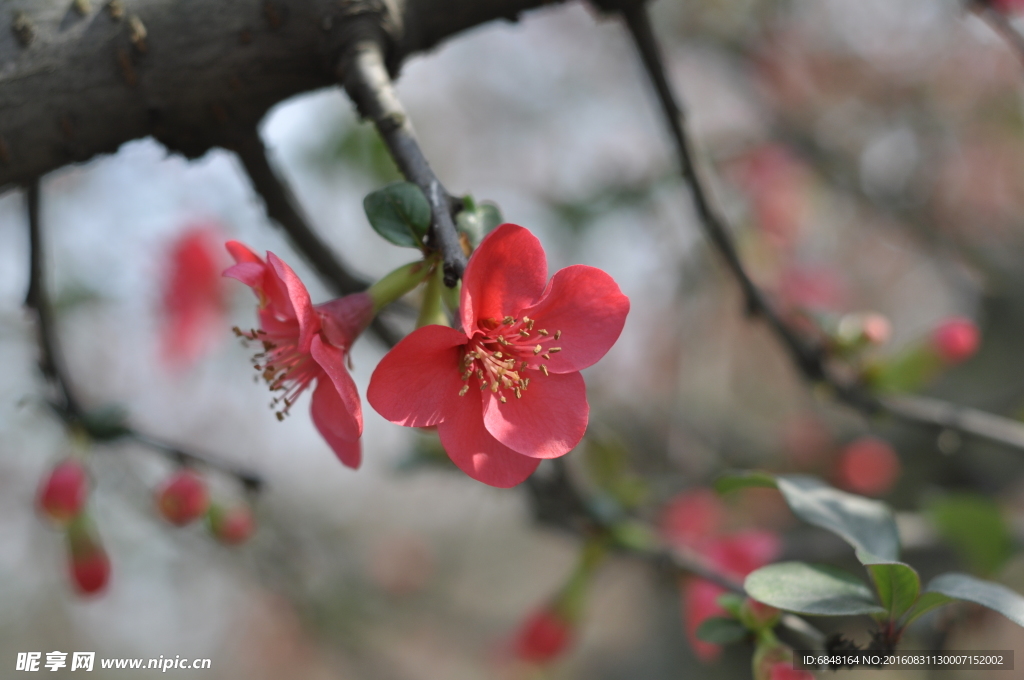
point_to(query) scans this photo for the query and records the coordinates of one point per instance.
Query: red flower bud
(183, 498)
(869, 466)
(956, 339)
(543, 636)
(232, 525)
(64, 491)
(89, 564)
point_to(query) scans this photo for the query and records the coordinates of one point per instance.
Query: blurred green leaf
(906, 372)
(926, 603)
(813, 589)
(868, 525)
(896, 583)
(731, 602)
(476, 220)
(106, 423)
(743, 479)
(606, 457)
(361, 147)
(974, 525)
(721, 631)
(995, 596)
(400, 213)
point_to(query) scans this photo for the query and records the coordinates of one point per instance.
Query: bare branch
(943, 414)
(51, 362)
(283, 208)
(368, 83)
(1001, 24)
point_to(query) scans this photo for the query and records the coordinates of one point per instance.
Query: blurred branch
(368, 83)
(283, 208)
(1000, 23)
(810, 360)
(51, 362)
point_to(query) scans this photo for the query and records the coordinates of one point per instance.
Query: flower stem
(432, 312)
(398, 283)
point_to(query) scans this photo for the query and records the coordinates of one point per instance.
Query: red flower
(65, 490)
(89, 565)
(544, 636)
(506, 390)
(692, 520)
(303, 343)
(194, 299)
(183, 498)
(956, 339)
(869, 466)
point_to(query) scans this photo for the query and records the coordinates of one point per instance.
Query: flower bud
(544, 636)
(232, 525)
(64, 491)
(89, 564)
(759, 616)
(956, 339)
(183, 498)
(869, 466)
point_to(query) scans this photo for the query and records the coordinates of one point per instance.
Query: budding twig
(368, 83)
(809, 359)
(51, 363)
(282, 207)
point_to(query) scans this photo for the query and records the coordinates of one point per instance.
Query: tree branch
(368, 83)
(1000, 23)
(809, 360)
(283, 208)
(51, 363)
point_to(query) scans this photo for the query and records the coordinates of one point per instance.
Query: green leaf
(106, 423)
(721, 631)
(974, 525)
(986, 593)
(896, 583)
(906, 372)
(743, 479)
(926, 603)
(476, 220)
(813, 589)
(400, 213)
(731, 602)
(867, 525)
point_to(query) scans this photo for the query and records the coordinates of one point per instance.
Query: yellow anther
(523, 366)
(553, 350)
(529, 323)
(546, 356)
(558, 334)
(462, 392)
(523, 332)
(503, 400)
(519, 394)
(544, 369)
(542, 331)
(508, 321)
(494, 386)
(537, 349)
(498, 355)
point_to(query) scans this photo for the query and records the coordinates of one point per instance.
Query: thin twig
(282, 207)
(368, 83)
(809, 360)
(51, 362)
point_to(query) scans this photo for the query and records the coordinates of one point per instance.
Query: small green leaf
(743, 479)
(927, 602)
(106, 423)
(974, 525)
(986, 593)
(731, 602)
(896, 583)
(400, 213)
(867, 525)
(817, 590)
(721, 631)
(476, 220)
(906, 372)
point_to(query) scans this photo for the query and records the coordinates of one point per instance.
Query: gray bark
(188, 72)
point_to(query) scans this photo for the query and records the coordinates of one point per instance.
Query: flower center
(286, 370)
(504, 353)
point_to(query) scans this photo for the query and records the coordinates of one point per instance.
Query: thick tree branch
(809, 360)
(368, 83)
(51, 362)
(282, 207)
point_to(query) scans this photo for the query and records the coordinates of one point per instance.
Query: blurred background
(870, 157)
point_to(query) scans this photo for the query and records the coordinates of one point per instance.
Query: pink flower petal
(744, 551)
(700, 602)
(415, 381)
(475, 451)
(547, 422)
(327, 404)
(249, 273)
(505, 274)
(348, 420)
(295, 299)
(586, 305)
(242, 253)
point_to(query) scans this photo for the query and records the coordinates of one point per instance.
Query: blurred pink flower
(956, 339)
(501, 391)
(543, 636)
(63, 493)
(194, 299)
(302, 344)
(868, 466)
